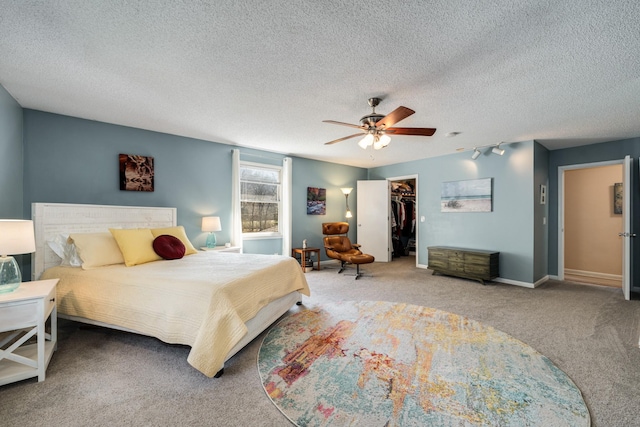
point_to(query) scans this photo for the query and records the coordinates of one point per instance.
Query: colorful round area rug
(389, 364)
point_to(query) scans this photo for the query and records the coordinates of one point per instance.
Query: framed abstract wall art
(136, 172)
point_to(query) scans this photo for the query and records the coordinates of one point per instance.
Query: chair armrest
(356, 245)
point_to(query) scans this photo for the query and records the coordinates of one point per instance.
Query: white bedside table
(235, 249)
(26, 310)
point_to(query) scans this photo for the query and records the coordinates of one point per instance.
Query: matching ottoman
(357, 260)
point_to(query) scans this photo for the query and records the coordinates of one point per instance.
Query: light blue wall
(331, 176)
(594, 153)
(71, 160)
(11, 158)
(509, 229)
(540, 212)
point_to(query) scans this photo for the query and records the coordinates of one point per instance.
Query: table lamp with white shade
(211, 224)
(16, 237)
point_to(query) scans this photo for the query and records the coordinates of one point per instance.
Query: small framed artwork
(617, 198)
(543, 194)
(136, 172)
(316, 201)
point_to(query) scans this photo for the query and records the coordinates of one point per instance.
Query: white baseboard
(515, 282)
(593, 274)
(508, 281)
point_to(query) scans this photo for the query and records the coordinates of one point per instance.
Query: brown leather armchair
(338, 246)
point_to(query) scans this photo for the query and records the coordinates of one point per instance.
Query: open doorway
(403, 222)
(592, 220)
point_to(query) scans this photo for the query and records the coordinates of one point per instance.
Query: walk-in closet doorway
(404, 218)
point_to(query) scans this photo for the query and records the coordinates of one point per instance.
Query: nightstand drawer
(18, 315)
(49, 302)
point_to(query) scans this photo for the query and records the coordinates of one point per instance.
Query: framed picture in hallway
(617, 198)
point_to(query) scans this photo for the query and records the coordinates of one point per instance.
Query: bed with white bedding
(214, 302)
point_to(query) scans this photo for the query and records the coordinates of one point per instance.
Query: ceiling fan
(376, 127)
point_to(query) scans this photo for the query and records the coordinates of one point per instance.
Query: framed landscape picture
(472, 195)
(316, 201)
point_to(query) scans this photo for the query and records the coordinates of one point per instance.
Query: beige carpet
(100, 377)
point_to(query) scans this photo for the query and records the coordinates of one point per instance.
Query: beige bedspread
(201, 300)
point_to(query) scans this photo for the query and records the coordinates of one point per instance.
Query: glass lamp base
(211, 240)
(10, 277)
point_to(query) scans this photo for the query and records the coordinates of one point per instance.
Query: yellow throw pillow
(136, 245)
(96, 249)
(176, 232)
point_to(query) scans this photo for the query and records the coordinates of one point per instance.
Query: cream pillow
(96, 249)
(176, 232)
(136, 245)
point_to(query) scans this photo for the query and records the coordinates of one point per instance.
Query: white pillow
(65, 250)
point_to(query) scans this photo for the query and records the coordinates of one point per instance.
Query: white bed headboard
(52, 219)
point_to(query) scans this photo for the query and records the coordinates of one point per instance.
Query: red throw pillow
(168, 247)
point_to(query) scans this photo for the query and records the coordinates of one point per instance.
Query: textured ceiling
(264, 74)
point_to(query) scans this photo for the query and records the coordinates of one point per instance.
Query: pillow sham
(96, 249)
(168, 247)
(136, 245)
(65, 250)
(178, 232)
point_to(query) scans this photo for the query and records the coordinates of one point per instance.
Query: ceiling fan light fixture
(385, 140)
(366, 141)
(375, 126)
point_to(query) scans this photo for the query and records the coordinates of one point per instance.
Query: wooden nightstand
(303, 256)
(234, 249)
(24, 313)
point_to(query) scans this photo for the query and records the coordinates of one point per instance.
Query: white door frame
(417, 217)
(561, 171)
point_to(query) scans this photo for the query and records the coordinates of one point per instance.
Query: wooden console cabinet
(468, 263)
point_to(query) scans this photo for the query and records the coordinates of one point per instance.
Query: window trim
(259, 235)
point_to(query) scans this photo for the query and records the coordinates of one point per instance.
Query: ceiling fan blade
(411, 131)
(394, 117)
(333, 122)
(342, 139)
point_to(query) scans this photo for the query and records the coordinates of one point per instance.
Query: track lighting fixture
(476, 150)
